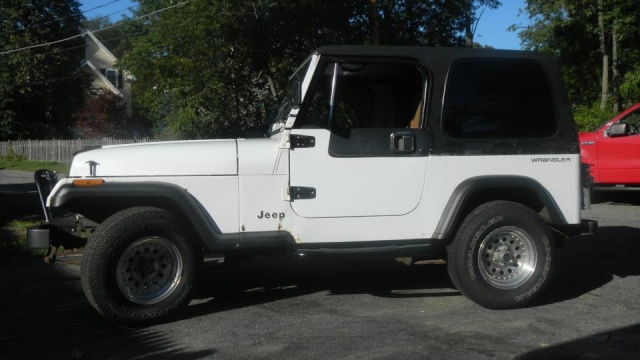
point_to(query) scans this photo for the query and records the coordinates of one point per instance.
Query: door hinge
(302, 141)
(302, 193)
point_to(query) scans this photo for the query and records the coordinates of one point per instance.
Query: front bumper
(70, 232)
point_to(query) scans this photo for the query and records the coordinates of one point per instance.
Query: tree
(471, 16)
(40, 87)
(595, 43)
(406, 22)
(213, 68)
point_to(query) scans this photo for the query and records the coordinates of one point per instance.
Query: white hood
(179, 158)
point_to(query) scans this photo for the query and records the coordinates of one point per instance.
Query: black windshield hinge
(301, 193)
(302, 141)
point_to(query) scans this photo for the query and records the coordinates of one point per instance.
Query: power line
(113, 13)
(66, 17)
(60, 50)
(100, 6)
(68, 49)
(47, 81)
(95, 31)
(57, 51)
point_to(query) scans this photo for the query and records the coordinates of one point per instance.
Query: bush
(590, 118)
(13, 156)
(104, 115)
(630, 87)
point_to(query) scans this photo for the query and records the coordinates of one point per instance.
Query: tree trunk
(614, 69)
(374, 24)
(272, 87)
(605, 57)
(468, 22)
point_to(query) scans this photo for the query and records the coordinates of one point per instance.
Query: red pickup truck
(613, 151)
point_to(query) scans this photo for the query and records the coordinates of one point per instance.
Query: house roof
(100, 44)
(99, 75)
(128, 76)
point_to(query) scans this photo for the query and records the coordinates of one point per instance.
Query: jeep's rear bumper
(586, 227)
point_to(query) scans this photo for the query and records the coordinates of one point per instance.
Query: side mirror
(296, 92)
(617, 130)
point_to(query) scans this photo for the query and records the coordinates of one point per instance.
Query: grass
(16, 163)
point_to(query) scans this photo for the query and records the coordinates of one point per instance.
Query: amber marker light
(87, 182)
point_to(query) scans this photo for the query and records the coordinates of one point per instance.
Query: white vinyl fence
(55, 150)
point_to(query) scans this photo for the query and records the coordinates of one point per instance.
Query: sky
(491, 30)
(114, 9)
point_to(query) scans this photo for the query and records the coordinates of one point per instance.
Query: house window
(112, 75)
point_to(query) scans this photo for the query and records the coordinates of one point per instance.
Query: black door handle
(403, 142)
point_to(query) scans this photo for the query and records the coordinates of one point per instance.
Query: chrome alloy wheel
(149, 270)
(507, 257)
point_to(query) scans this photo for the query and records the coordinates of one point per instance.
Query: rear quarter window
(498, 99)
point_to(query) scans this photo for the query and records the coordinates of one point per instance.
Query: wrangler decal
(551, 159)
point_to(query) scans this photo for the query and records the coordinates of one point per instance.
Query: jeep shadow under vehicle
(464, 154)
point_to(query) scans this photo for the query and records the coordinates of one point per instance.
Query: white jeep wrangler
(432, 153)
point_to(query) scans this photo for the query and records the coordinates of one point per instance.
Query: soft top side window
(498, 99)
(361, 94)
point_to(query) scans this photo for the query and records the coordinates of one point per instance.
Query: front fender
(99, 202)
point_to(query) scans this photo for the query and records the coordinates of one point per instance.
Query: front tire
(138, 266)
(502, 256)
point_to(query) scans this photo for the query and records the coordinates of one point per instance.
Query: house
(100, 64)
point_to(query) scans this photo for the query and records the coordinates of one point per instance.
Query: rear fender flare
(463, 197)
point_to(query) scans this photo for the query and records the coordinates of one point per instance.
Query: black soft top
(437, 58)
(438, 61)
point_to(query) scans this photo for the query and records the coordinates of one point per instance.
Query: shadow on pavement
(585, 263)
(590, 261)
(263, 280)
(46, 316)
(622, 343)
(629, 197)
(17, 202)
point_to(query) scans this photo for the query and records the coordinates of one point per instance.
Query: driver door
(358, 148)
(620, 156)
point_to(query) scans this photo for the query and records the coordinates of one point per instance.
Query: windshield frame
(302, 76)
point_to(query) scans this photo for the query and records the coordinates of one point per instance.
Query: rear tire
(502, 256)
(138, 266)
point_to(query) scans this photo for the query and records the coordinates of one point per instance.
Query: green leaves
(40, 87)
(580, 34)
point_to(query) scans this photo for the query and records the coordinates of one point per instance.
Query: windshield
(292, 96)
